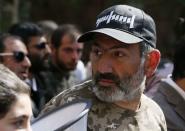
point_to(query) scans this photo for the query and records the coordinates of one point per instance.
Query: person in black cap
(123, 54)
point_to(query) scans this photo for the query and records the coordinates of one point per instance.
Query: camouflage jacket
(109, 117)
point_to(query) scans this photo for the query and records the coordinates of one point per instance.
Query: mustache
(46, 56)
(110, 76)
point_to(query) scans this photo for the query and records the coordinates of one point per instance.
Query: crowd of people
(41, 69)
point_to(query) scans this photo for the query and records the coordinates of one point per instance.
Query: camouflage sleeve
(64, 97)
(54, 102)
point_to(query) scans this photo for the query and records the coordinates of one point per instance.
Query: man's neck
(130, 105)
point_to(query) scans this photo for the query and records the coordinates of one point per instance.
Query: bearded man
(123, 54)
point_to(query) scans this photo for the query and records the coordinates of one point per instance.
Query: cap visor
(116, 34)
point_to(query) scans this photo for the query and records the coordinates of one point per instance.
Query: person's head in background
(178, 74)
(66, 51)
(14, 55)
(48, 26)
(15, 102)
(33, 37)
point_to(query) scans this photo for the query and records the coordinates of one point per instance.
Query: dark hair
(26, 31)
(10, 87)
(178, 60)
(3, 37)
(59, 33)
(48, 26)
(179, 28)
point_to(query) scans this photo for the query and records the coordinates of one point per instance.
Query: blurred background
(167, 14)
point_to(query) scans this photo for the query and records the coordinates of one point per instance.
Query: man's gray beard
(130, 88)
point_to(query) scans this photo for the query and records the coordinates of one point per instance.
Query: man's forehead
(68, 41)
(36, 39)
(15, 44)
(72, 46)
(11, 40)
(21, 108)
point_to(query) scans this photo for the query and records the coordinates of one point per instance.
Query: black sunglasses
(41, 45)
(18, 55)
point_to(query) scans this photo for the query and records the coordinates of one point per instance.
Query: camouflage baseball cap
(126, 24)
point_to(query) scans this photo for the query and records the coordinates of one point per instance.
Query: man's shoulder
(150, 104)
(151, 110)
(103, 116)
(80, 91)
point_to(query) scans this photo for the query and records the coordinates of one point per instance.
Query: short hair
(26, 30)
(48, 26)
(3, 37)
(61, 31)
(10, 87)
(144, 49)
(178, 60)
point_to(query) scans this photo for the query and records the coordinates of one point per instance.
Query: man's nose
(105, 65)
(26, 62)
(47, 49)
(75, 54)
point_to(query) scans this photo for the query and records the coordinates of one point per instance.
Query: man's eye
(79, 51)
(19, 124)
(97, 52)
(118, 53)
(68, 50)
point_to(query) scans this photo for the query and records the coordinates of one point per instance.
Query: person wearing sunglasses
(39, 52)
(33, 37)
(14, 55)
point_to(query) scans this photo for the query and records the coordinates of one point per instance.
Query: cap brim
(116, 34)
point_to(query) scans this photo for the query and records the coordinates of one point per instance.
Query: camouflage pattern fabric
(109, 117)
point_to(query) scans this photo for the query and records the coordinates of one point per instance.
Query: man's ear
(151, 62)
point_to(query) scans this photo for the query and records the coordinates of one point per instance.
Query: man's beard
(126, 89)
(38, 63)
(62, 66)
